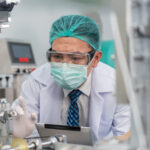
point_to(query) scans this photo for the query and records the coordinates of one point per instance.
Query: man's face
(74, 45)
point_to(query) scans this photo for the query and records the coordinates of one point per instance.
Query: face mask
(69, 76)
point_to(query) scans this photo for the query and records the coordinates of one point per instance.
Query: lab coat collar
(43, 75)
(103, 78)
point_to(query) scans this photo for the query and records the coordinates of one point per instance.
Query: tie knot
(74, 95)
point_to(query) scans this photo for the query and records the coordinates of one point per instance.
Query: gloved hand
(23, 124)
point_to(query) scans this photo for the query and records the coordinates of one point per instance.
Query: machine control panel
(16, 57)
(22, 70)
(21, 53)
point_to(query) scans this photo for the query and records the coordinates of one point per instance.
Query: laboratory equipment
(36, 144)
(6, 86)
(6, 7)
(16, 62)
(8, 142)
(6, 123)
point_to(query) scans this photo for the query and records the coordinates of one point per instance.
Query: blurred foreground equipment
(138, 27)
(136, 72)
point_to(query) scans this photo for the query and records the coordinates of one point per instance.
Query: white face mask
(68, 76)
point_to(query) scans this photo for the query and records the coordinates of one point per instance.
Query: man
(74, 88)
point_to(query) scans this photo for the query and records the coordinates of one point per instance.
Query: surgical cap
(81, 27)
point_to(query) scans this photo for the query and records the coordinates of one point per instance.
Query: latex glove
(23, 124)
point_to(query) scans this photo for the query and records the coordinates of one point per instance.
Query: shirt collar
(85, 88)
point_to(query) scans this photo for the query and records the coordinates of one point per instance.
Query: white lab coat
(44, 97)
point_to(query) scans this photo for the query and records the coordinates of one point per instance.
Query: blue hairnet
(81, 27)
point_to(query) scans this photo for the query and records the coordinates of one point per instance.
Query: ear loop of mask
(90, 62)
(91, 58)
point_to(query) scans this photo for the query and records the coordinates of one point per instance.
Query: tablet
(75, 135)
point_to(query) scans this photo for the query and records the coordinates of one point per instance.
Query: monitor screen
(21, 53)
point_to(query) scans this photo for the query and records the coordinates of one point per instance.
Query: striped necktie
(73, 112)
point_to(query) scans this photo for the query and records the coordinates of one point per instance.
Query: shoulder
(42, 74)
(105, 70)
(104, 78)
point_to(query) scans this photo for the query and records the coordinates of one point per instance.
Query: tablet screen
(75, 135)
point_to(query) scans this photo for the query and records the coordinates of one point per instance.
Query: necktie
(73, 112)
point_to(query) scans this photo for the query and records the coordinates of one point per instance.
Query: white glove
(23, 124)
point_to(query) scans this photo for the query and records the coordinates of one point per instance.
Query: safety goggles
(71, 58)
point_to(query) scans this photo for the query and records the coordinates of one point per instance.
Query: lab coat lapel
(95, 111)
(51, 106)
(101, 82)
